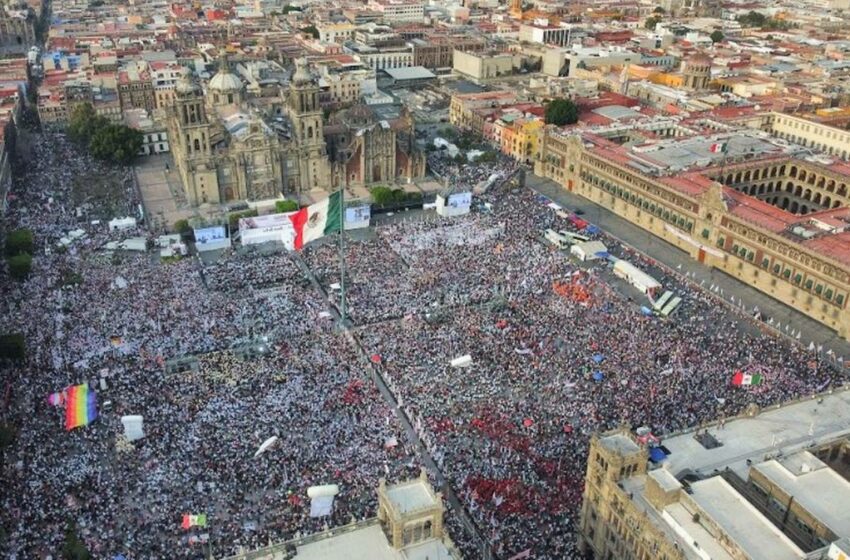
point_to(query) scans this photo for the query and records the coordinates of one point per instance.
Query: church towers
(307, 130)
(189, 135)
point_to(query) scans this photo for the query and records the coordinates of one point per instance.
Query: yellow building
(732, 490)
(758, 212)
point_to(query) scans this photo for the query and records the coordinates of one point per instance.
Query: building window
(809, 284)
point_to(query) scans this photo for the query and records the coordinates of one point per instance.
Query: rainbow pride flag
(80, 406)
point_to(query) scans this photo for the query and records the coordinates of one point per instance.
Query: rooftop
(786, 429)
(411, 496)
(815, 487)
(748, 528)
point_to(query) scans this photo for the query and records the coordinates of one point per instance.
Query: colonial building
(759, 208)
(730, 490)
(225, 150)
(17, 24)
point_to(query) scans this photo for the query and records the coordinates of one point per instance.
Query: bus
(556, 239)
(574, 237)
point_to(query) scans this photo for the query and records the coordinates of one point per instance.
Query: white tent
(588, 250)
(462, 361)
(133, 427)
(122, 223)
(322, 499)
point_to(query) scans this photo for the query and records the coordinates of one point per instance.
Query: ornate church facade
(225, 151)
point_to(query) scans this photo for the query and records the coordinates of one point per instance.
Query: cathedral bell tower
(189, 135)
(307, 128)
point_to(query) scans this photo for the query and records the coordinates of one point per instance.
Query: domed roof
(224, 80)
(185, 85)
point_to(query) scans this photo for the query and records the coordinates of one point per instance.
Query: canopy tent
(133, 427)
(598, 376)
(656, 455)
(598, 358)
(588, 250)
(462, 361)
(322, 499)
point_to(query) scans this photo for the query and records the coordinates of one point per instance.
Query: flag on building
(317, 220)
(80, 406)
(190, 521)
(741, 379)
(719, 148)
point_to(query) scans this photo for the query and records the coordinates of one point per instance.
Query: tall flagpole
(342, 255)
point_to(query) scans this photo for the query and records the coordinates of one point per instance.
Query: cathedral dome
(225, 82)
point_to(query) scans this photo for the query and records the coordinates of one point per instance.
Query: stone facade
(811, 281)
(224, 152)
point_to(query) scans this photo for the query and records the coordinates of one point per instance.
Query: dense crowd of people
(558, 350)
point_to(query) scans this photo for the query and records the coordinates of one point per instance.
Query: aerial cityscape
(454, 280)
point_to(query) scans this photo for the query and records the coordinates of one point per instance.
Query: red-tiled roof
(758, 212)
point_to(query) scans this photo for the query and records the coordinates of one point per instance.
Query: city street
(661, 251)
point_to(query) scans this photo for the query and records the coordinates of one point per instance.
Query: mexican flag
(317, 220)
(199, 520)
(741, 379)
(718, 148)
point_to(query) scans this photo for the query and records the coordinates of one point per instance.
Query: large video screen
(204, 236)
(460, 200)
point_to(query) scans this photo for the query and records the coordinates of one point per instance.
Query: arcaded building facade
(763, 210)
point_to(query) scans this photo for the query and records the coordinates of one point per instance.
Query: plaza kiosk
(455, 204)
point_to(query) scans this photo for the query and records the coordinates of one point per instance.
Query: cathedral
(226, 151)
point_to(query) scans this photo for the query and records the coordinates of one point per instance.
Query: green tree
(651, 22)
(182, 227)
(19, 241)
(116, 143)
(285, 206)
(20, 266)
(234, 217)
(381, 195)
(74, 549)
(288, 8)
(752, 19)
(560, 112)
(311, 29)
(84, 123)
(659, 10)
(13, 348)
(399, 195)
(717, 36)
(7, 435)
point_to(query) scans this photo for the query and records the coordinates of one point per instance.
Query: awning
(656, 455)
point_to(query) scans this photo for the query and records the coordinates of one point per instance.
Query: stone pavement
(730, 287)
(162, 192)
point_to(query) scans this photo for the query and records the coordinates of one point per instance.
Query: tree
(651, 22)
(74, 549)
(752, 19)
(659, 10)
(285, 206)
(116, 143)
(311, 29)
(13, 348)
(288, 8)
(20, 266)
(19, 241)
(381, 195)
(83, 123)
(182, 227)
(560, 112)
(7, 435)
(717, 36)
